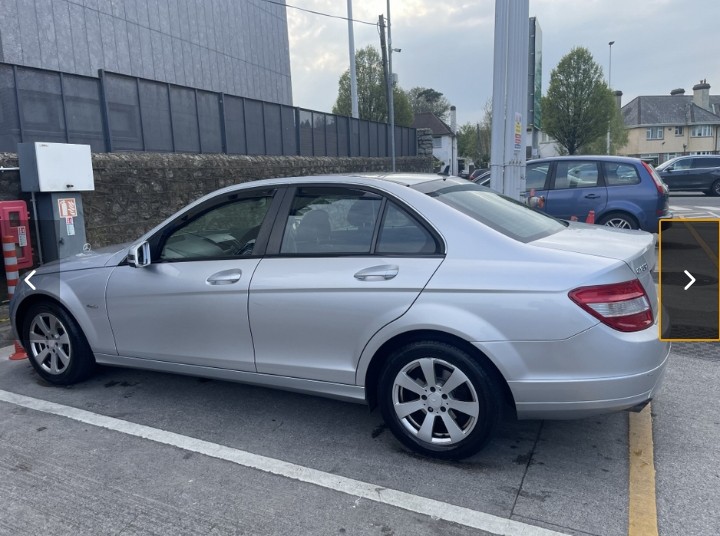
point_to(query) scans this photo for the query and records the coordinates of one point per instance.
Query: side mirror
(139, 255)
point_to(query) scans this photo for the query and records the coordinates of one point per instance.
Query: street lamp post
(610, 44)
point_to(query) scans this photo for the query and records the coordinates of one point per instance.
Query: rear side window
(578, 174)
(336, 221)
(705, 162)
(401, 234)
(621, 174)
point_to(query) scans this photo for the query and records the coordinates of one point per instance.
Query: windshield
(498, 212)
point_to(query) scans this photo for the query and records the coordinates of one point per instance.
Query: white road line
(356, 488)
(679, 209)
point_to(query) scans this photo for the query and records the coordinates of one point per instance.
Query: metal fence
(124, 113)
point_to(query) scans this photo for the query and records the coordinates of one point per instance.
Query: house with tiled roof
(444, 141)
(661, 127)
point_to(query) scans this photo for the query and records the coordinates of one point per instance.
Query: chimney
(678, 91)
(453, 119)
(618, 98)
(701, 94)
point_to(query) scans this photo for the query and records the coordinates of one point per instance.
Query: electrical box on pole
(55, 174)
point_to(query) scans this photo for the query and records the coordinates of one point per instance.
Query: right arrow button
(692, 280)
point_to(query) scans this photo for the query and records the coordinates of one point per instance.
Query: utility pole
(391, 105)
(353, 75)
(610, 44)
(388, 86)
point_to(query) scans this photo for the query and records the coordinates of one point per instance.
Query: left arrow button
(27, 279)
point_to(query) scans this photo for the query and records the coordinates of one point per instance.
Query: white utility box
(55, 167)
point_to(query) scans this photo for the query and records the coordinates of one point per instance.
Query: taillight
(622, 306)
(659, 184)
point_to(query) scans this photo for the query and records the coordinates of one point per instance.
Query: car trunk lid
(634, 248)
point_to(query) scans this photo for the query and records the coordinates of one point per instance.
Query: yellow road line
(642, 517)
(708, 250)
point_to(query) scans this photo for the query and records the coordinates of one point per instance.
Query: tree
(474, 138)
(578, 106)
(423, 99)
(618, 137)
(372, 101)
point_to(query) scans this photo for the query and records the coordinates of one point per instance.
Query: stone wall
(135, 191)
(424, 142)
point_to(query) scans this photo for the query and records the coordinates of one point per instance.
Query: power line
(320, 13)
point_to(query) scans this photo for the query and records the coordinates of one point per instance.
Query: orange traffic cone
(12, 276)
(590, 217)
(19, 353)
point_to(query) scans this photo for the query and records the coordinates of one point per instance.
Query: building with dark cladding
(239, 47)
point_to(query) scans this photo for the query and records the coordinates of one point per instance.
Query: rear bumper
(597, 371)
(630, 392)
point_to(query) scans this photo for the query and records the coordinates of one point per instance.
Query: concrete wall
(238, 47)
(136, 191)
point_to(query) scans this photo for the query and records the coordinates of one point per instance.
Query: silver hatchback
(436, 299)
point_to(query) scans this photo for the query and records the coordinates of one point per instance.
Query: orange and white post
(13, 276)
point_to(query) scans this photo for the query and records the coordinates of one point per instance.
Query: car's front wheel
(56, 347)
(438, 400)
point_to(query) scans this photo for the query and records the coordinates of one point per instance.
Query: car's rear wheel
(438, 400)
(715, 188)
(619, 220)
(57, 348)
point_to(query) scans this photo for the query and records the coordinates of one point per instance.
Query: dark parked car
(476, 173)
(688, 173)
(483, 178)
(624, 192)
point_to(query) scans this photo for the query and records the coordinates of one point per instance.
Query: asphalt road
(60, 474)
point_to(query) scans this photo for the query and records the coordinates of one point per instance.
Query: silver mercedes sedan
(436, 299)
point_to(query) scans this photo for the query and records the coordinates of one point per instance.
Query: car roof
(406, 179)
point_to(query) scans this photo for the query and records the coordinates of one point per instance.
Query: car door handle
(592, 196)
(378, 273)
(226, 277)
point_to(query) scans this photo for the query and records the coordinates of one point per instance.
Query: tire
(715, 188)
(619, 220)
(462, 420)
(56, 347)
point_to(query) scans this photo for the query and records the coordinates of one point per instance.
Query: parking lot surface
(60, 475)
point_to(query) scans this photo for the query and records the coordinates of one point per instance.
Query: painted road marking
(356, 488)
(642, 514)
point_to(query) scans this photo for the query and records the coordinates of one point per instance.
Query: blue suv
(624, 192)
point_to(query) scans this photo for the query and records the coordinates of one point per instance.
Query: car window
(227, 230)
(576, 174)
(536, 175)
(685, 163)
(401, 234)
(617, 174)
(498, 212)
(331, 221)
(705, 162)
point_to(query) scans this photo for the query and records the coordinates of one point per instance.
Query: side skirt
(338, 391)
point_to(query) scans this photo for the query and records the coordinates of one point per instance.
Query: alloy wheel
(50, 344)
(618, 223)
(435, 401)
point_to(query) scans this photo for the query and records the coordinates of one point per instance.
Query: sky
(447, 45)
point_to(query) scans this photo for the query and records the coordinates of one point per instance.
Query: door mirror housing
(139, 255)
